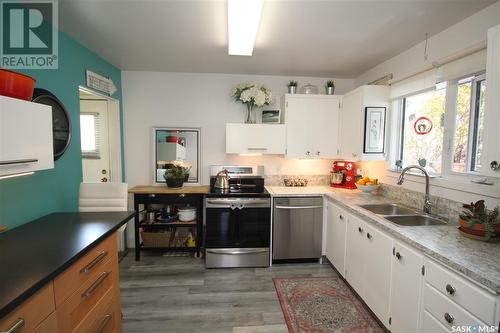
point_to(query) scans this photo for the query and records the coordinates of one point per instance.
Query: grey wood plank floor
(177, 294)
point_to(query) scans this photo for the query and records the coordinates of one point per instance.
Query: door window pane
(423, 129)
(89, 135)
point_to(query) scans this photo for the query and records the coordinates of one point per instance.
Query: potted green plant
(292, 86)
(330, 87)
(176, 173)
(476, 220)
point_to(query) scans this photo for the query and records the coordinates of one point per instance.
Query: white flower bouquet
(250, 94)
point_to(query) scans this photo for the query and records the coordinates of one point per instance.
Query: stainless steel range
(237, 219)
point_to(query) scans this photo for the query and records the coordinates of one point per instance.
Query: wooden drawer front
(66, 283)
(447, 312)
(77, 306)
(49, 325)
(31, 313)
(431, 324)
(103, 318)
(477, 301)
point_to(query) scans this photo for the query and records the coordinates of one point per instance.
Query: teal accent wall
(26, 198)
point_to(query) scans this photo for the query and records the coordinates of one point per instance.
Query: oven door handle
(297, 207)
(236, 252)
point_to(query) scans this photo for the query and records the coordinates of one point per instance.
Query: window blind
(468, 65)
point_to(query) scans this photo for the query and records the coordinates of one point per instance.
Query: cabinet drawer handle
(182, 195)
(450, 289)
(256, 149)
(94, 262)
(341, 217)
(18, 324)
(449, 318)
(368, 235)
(398, 256)
(103, 323)
(360, 229)
(95, 285)
(24, 161)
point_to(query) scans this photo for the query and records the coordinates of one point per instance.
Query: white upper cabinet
(255, 139)
(26, 143)
(311, 125)
(491, 140)
(352, 120)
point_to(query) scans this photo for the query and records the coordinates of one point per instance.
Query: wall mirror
(176, 143)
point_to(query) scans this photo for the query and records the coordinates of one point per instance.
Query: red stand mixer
(343, 175)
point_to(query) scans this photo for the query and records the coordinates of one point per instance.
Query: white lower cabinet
(368, 265)
(356, 254)
(378, 273)
(336, 236)
(405, 290)
(406, 286)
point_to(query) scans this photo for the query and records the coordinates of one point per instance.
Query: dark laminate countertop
(34, 253)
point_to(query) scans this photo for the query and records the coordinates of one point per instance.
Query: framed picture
(374, 130)
(271, 116)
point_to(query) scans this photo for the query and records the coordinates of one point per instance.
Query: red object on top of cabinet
(16, 85)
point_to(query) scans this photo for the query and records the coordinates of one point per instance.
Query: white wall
(200, 100)
(463, 35)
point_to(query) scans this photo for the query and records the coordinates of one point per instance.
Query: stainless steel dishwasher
(297, 228)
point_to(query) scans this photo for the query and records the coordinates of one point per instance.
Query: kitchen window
(441, 129)
(423, 129)
(468, 133)
(89, 134)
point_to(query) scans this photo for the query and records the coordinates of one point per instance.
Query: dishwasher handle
(296, 207)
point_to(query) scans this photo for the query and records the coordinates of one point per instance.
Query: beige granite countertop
(477, 260)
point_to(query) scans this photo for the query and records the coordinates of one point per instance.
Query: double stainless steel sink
(401, 215)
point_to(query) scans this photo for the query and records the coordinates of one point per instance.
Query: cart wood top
(149, 189)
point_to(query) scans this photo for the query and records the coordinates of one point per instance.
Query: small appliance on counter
(343, 175)
(237, 218)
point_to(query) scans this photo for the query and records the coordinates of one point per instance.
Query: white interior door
(95, 166)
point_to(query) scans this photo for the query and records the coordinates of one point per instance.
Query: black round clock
(61, 124)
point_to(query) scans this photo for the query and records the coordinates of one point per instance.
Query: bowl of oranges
(367, 184)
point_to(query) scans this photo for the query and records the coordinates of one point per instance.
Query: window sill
(457, 182)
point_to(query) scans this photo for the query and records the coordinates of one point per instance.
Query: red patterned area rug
(322, 304)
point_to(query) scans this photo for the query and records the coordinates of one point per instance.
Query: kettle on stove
(222, 180)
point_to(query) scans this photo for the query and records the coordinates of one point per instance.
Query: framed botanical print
(374, 130)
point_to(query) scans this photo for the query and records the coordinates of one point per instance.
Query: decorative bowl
(367, 188)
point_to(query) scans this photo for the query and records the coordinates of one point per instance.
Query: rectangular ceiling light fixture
(243, 18)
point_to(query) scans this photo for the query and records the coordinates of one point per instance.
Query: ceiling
(296, 37)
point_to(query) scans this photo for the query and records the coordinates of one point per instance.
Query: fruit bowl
(367, 188)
